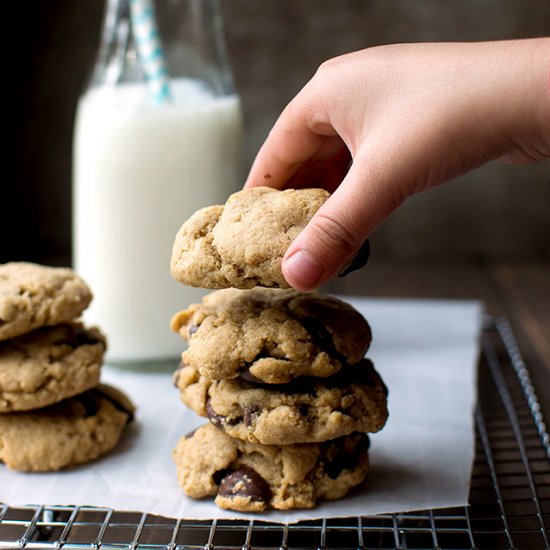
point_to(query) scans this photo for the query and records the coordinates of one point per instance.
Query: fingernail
(302, 270)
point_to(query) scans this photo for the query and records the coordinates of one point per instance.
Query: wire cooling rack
(509, 494)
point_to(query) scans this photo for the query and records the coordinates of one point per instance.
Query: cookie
(71, 432)
(33, 296)
(241, 244)
(49, 364)
(270, 335)
(305, 410)
(248, 477)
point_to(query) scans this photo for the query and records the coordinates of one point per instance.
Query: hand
(376, 126)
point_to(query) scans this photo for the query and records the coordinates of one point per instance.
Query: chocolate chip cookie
(305, 410)
(270, 335)
(249, 477)
(32, 296)
(241, 244)
(71, 432)
(49, 364)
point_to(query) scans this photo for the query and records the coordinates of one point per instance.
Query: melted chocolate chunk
(82, 337)
(302, 384)
(176, 375)
(90, 401)
(245, 482)
(322, 337)
(360, 373)
(250, 414)
(218, 476)
(247, 376)
(191, 433)
(73, 336)
(217, 419)
(359, 260)
(213, 416)
(344, 453)
(99, 394)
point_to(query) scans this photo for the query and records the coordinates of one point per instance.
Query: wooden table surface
(518, 291)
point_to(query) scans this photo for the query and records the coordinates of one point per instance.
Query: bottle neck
(190, 33)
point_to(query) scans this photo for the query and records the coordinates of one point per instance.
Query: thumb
(337, 230)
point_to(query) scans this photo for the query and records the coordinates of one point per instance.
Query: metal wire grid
(509, 495)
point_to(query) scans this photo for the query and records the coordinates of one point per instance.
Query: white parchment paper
(427, 353)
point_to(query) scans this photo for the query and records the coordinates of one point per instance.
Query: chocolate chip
(177, 372)
(90, 402)
(250, 414)
(75, 336)
(303, 409)
(361, 372)
(217, 419)
(366, 374)
(104, 392)
(322, 337)
(176, 378)
(214, 417)
(359, 260)
(218, 476)
(303, 385)
(83, 337)
(247, 376)
(344, 453)
(245, 482)
(191, 433)
(296, 385)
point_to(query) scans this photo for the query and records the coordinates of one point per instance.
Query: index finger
(290, 143)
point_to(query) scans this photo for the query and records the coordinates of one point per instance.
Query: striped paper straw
(150, 49)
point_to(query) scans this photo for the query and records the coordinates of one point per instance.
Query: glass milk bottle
(158, 135)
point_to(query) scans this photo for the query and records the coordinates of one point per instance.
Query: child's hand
(381, 124)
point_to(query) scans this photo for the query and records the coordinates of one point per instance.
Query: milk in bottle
(140, 170)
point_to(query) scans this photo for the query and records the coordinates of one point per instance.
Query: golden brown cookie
(306, 410)
(241, 244)
(249, 477)
(33, 296)
(270, 335)
(49, 364)
(71, 432)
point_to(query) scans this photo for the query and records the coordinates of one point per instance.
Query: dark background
(496, 212)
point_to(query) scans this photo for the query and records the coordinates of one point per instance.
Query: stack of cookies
(280, 374)
(54, 412)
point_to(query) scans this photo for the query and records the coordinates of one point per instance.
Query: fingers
(327, 174)
(291, 144)
(339, 228)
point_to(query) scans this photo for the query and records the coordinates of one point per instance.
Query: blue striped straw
(150, 49)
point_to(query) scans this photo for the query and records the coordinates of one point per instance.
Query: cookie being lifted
(271, 335)
(241, 244)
